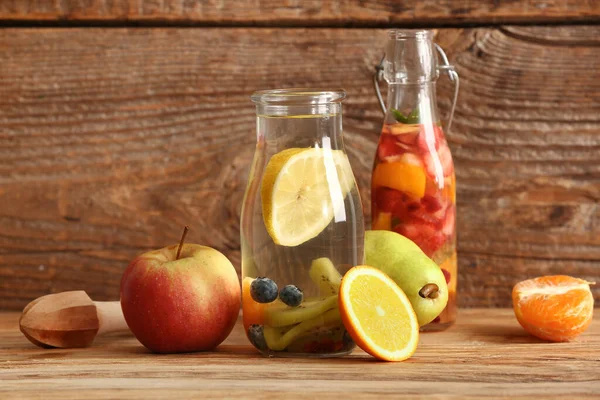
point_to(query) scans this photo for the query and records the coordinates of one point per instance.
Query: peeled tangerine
(555, 308)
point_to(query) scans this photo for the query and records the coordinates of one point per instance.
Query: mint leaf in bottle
(412, 118)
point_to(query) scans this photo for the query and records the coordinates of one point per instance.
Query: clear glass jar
(301, 225)
(413, 183)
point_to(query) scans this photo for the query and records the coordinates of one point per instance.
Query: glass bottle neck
(317, 126)
(299, 117)
(410, 57)
(298, 111)
(413, 103)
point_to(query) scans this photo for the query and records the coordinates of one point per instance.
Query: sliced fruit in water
(446, 159)
(378, 315)
(439, 164)
(324, 274)
(389, 200)
(252, 312)
(283, 316)
(273, 337)
(388, 148)
(429, 138)
(555, 308)
(449, 221)
(383, 221)
(449, 191)
(301, 191)
(425, 235)
(279, 339)
(447, 275)
(448, 267)
(431, 203)
(405, 129)
(401, 176)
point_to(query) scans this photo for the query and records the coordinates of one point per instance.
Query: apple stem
(185, 231)
(431, 291)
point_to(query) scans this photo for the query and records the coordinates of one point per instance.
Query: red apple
(180, 305)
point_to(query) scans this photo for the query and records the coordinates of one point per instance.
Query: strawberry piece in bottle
(446, 160)
(388, 148)
(426, 236)
(431, 203)
(449, 221)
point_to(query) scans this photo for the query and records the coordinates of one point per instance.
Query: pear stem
(185, 231)
(431, 291)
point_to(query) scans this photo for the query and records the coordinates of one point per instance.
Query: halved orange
(378, 315)
(555, 308)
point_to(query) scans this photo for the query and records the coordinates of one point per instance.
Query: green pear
(418, 276)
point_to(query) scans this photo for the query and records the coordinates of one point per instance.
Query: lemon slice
(302, 191)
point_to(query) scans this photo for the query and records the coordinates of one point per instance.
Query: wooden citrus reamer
(70, 319)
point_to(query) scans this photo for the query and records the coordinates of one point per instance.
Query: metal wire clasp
(445, 67)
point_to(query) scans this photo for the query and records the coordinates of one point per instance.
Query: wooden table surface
(485, 355)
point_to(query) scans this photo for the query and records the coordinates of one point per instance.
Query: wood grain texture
(303, 13)
(112, 139)
(485, 355)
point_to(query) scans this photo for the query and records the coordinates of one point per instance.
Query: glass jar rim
(419, 34)
(298, 96)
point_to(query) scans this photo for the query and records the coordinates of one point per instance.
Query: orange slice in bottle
(378, 315)
(555, 308)
(383, 222)
(402, 176)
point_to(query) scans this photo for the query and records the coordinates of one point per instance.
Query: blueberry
(256, 335)
(263, 290)
(291, 295)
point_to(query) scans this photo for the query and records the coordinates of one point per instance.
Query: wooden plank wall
(113, 136)
(304, 12)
